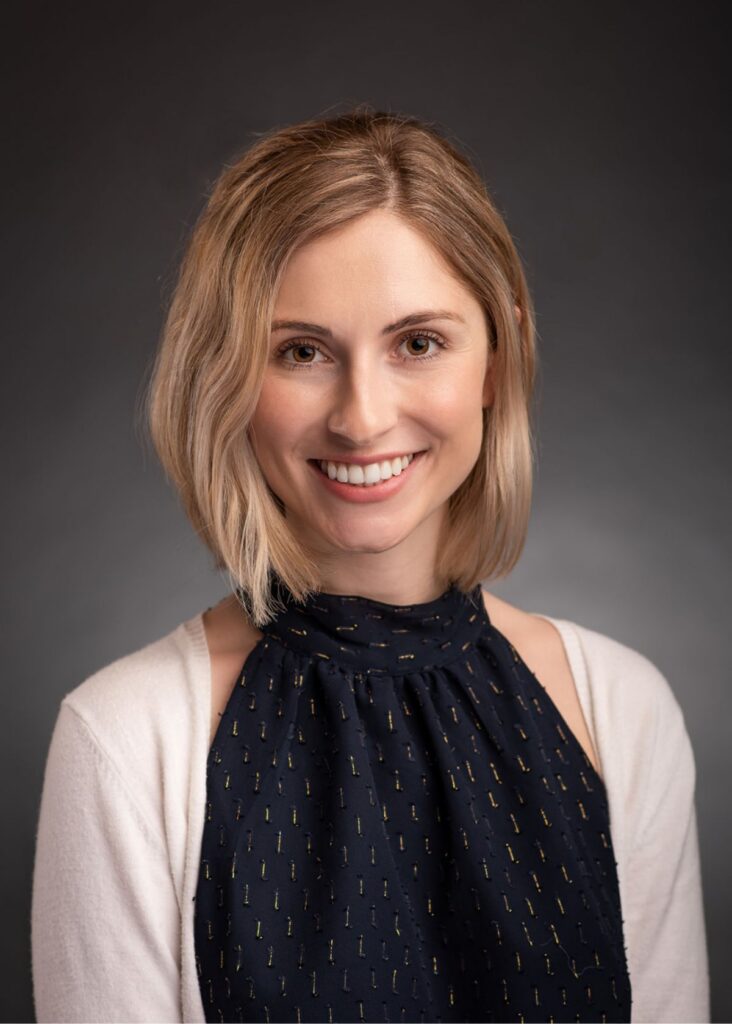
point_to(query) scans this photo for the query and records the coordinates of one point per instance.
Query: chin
(372, 540)
(363, 545)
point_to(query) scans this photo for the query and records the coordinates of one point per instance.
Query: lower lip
(362, 494)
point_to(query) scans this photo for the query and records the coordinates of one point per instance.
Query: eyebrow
(406, 321)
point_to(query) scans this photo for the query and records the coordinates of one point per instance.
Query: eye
(303, 353)
(420, 342)
(422, 345)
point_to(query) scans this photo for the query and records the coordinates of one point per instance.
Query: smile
(365, 476)
(360, 484)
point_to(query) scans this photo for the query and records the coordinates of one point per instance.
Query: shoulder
(142, 682)
(611, 677)
(144, 714)
(640, 728)
(627, 704)
(620, 679)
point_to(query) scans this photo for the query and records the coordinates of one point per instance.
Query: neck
(402, 575)
(411, 584)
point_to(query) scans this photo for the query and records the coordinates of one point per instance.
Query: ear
(518, 313)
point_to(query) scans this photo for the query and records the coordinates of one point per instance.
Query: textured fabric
(123, 809)
(401, 827)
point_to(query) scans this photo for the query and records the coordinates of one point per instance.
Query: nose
(364, 405)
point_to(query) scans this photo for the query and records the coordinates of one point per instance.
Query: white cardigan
(122, 811)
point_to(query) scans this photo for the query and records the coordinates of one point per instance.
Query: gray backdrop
(602, 133)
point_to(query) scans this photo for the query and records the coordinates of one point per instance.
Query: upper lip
(366, 460)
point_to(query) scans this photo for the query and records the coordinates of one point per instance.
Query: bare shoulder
(230, 637)
(540, 645)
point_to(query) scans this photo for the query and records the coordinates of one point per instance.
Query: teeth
(364, 476)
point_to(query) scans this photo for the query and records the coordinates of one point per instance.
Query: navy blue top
(400, 826)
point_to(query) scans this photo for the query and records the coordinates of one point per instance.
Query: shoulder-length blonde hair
(292, 185)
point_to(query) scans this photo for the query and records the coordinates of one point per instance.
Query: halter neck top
(400, 826)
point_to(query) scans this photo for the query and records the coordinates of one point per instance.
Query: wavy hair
(291, 186)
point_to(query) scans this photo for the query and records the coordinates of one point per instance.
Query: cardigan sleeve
(105, 922)
(664, 910)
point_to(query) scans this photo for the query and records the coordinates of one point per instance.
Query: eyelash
(296, 342)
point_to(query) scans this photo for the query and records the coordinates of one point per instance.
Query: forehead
(374, 268)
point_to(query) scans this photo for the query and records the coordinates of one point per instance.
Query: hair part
(291, 186)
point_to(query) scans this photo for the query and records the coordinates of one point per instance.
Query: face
(370, 415)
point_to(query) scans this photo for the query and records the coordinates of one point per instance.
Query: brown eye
(299, 350)
(422, 345)
(419, 344)
(299, 353)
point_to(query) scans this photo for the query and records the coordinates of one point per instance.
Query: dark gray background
(602, 133)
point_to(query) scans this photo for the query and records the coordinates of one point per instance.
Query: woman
(362, 788)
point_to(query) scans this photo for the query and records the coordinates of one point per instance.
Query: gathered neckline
(370, 636)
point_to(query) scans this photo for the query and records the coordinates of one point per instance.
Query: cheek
(278, 418)
(454, 409)
(283, 421)
(290, 393)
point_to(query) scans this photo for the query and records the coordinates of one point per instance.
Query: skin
(360, 392)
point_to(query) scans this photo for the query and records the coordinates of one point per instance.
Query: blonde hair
(292, 185)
